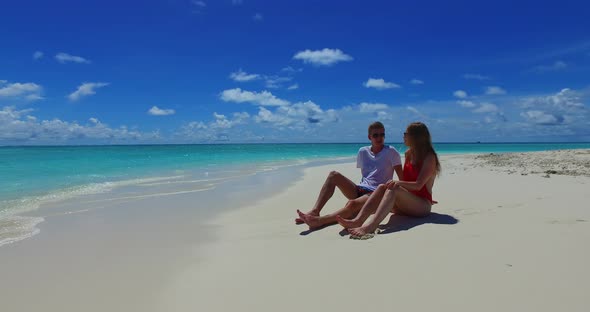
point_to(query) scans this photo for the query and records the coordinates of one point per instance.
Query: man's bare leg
(334, 179)
(349, 210)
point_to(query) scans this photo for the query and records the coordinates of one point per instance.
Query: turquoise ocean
(32, 176)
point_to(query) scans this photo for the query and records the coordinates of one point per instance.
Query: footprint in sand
(567, 222)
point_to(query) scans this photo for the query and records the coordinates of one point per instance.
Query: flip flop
(362, 237)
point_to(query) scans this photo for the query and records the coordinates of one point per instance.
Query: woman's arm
(428, 169)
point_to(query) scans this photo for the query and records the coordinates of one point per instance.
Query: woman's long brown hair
(422, 143)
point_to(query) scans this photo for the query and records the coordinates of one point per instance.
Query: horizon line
(279, 143)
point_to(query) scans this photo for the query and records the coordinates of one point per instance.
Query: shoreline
(21, 221)
(174, 258)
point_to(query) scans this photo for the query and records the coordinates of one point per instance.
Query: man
(377, 163)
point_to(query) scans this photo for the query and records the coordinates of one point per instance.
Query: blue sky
(183, 71)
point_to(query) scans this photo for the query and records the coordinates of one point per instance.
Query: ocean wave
(32, 203)
(207, 188)
(194, 181)
(17, 228)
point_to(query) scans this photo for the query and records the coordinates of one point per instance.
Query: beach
(509, 233)
(157, 156)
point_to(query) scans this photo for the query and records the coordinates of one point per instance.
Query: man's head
(377, 133)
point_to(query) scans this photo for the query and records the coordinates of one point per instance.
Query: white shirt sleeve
(396, 158)
(359, 159)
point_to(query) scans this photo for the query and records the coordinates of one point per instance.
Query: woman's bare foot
(310, 213)
(312, 221)
(362, 231)
(348, 223)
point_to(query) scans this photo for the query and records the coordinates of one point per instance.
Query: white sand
(520, 244)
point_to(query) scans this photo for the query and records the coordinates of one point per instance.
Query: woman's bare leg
(406, 202)
(349, 210)
(369, 208)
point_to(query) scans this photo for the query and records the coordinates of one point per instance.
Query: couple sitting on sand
(378, 193)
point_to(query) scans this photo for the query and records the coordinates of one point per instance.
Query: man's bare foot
(310, 213)
(347, 223)
(312, 221)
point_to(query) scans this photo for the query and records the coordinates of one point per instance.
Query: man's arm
(399, 171)
(396, 161)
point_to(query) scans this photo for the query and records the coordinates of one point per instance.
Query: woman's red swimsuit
(411, 175)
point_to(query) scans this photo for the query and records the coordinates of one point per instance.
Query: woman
(412, 196)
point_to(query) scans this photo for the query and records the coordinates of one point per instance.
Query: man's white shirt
(377, 169)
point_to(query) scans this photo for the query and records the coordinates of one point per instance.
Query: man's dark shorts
(362, 190)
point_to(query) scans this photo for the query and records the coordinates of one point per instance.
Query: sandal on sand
(362, 237)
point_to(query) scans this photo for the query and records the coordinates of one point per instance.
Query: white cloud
(155, 111)
(541, 118)
(413, 110)
(219, 129)
(265, 115)
(264, 98)
(564, 101)
(383, 116)
(272, 82)
(275, 82)
(10, 112)
(33, 97)
(242, 76)
(258, 17)
(222, 122)
(380, 84)
(291, 70)
(28, 91)
(416, 82)
(417, 112)
(467, 104)
(64, 58)
(18, 127)
(85, 89)
(297, 116)
(198, 6)
(192, 129)
(199, 3)
(240, 117)
(37, 55)
(325, 57)
(558, 65)
(486, 108)
(293, 87)
(237, 2)
(495, 90)
(309, 122)
(476, 77)
(372, 107)
(460, 94)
